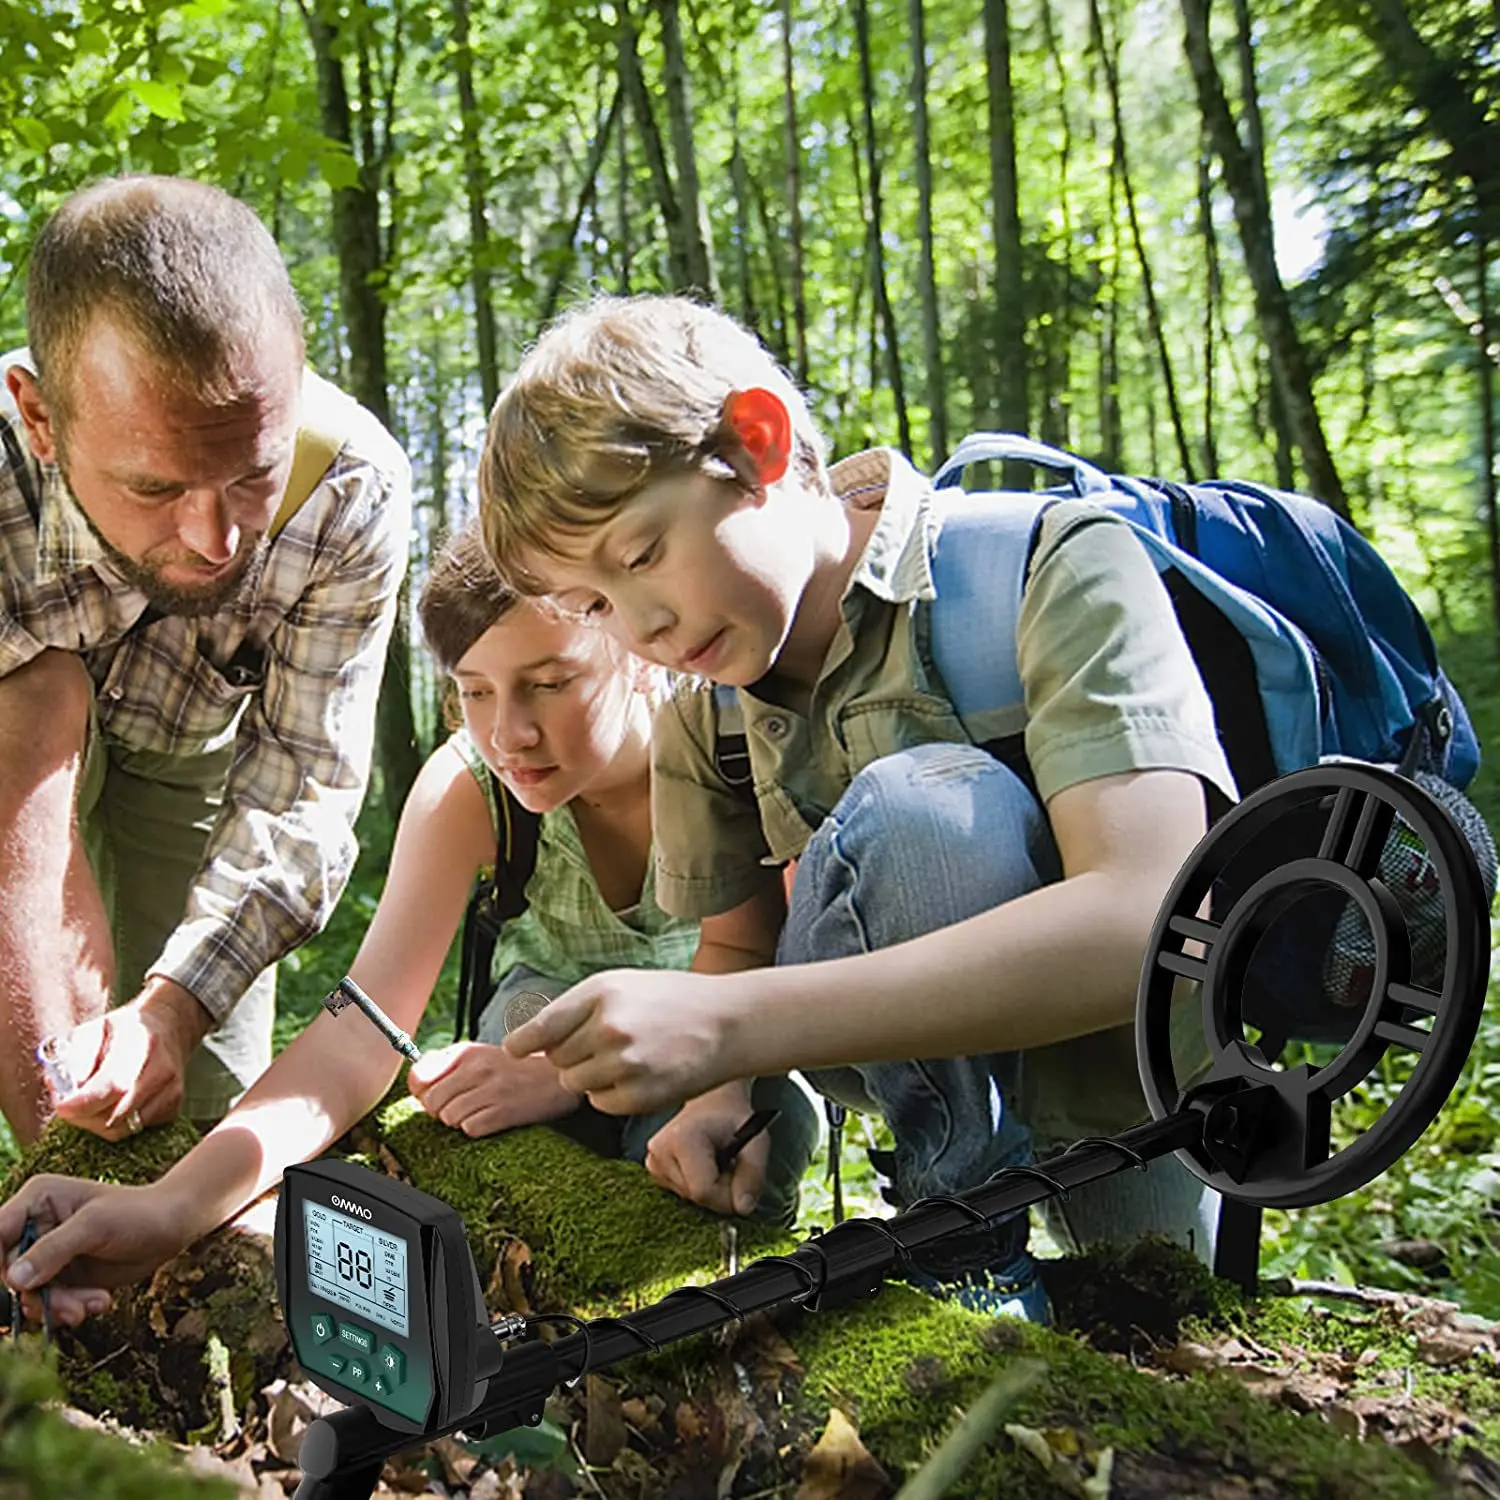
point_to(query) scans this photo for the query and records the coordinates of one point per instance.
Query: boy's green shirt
(1110, 688)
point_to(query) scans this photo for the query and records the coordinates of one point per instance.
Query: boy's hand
(95, 1235)
(680, 1156)
(636, 1040)
(481, 1090)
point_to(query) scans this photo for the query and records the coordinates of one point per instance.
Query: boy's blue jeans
(920, 840)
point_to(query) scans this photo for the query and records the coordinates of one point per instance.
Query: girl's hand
(94, 1236)
(482, 1090)
(680, 1156)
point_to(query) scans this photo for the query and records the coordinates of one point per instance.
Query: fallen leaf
(292, 1409)
(1029, 1440)
(1189, 1358)
(1346, 1420)
(510, 1285)
(458, 1463)
(603, 1423)
(839, 1467)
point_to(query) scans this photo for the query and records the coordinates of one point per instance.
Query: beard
(183, 599)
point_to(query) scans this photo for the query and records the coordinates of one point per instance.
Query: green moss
(42, 1455)
(72, 1152)
(1389, 1340)
(603, 1237)
(901, 1364)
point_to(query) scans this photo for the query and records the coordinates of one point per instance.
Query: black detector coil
(1256, 1133)
(1266, 1138)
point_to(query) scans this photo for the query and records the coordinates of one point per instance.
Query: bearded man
(192, 633)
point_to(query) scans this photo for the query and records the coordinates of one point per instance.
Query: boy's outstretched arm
(1057, 963)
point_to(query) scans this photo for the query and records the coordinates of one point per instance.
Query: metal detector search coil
(1257, 1134)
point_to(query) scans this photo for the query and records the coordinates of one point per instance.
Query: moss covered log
(555, 1228)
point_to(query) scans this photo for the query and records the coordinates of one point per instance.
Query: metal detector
(380, 1291)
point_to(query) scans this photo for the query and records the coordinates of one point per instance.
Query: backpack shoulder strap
(494, 902)
(979, 564)
(329, 420)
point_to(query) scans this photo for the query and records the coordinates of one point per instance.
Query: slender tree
(586, 191)
(1213, 298)
(932, 347)
(680, 257)
(794, 198)
(1252, 212)
(362, 248)
(883, 312)
(740, 179)
(697, 237)
(1148, 283)
(1012, 408)
(476, 192)
(1486, 364)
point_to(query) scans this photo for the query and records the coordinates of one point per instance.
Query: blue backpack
(1268, 586)
(1308, 647)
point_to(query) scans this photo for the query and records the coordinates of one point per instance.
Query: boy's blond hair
(617, 393)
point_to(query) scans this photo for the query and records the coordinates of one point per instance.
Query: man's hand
(94, 1236)
(680, 1156)
(481, 1090)
(636, 1040)
(130, 1062)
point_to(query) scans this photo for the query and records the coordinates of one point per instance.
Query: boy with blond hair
(961, 945)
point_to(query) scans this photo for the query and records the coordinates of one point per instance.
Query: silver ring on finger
(133, 1122)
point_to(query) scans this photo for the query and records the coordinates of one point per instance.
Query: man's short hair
(617, 393)
(189, 274)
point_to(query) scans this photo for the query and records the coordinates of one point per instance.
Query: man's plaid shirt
(290, 670)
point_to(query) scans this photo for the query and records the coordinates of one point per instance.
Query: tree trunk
(1252, 214)
(739, 178)
(362, 268)
(1213, 297)
(773, 231)
(697, 236)
(794, 200)
(1057, 405)
(622, 196)
(1153, 309)
(633, 83)
(1011, 353)
(586, 191)
(877, 247)
(1110, 436)
(476, 190)
(932, 347)
(1487, 418)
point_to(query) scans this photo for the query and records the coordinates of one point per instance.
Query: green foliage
(41, 1453)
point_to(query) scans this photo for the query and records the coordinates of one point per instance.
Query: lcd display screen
(356, 1266)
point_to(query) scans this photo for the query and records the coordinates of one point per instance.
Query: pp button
(391, 1363)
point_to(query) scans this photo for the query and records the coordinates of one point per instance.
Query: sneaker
(992, 1296)
(988, 1270)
